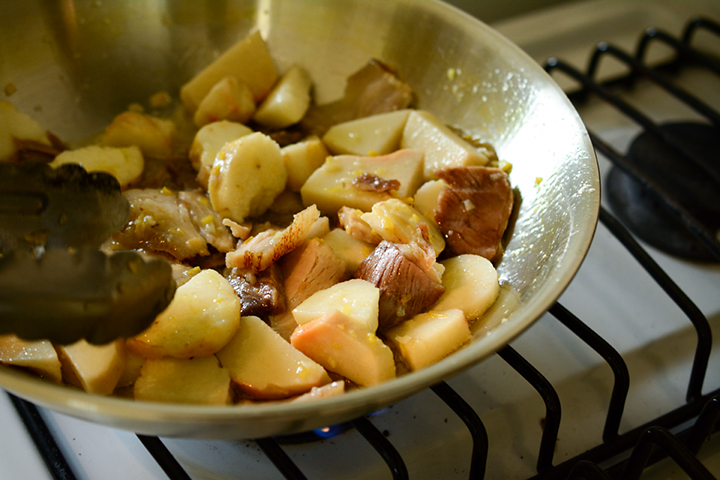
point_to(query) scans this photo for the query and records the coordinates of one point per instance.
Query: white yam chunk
(198, 381)
(287, 102)
(302, 159)
(154, 136)
(37, 355)
(471, 285)
(373, 135)
(125, 164)
(15, 124)
(429, 337)
(94, 368)
(358, 299)
(247, 175)
(348, 249)
(442, 147)
(202, 317)
(264, 365)
(229, 99)
(249, 61)
(426, 198)
(207, 143)
(331, 187)
(333, 389)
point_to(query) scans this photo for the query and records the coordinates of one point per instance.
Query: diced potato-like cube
(471, 285)
(37, 355)
(154, 137)
(249, 61)
(333, 389)
(343, 346)
(302, 159)
(15, 124)
(348, 249)
(331, 187)
(247, 175)
(264, 365)
(202, 317)
(442, 147)
(426, 198)
(358, 299)
(125, 164)
(174, 380)
(429, 337)
(287, 102)
(131, 372)
(374, 135)
(207, 143)
(229, 99)
(94, 368)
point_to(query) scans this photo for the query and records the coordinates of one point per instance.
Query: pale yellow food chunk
(94, 368)
(247, 175)
(471, 285)
(373, 135)
(442, 147)
(173, 380)
(333, 389)
(207, 143)
(429, 337)
(155, 137)
(131, 372)
(202, 317)
(348, 249)
(358, 299)
(229, 99)
(37, 355)
(302, 159)
(287, 102)
(426, 198)
(15, 124)
(125, 164)
(264, 365)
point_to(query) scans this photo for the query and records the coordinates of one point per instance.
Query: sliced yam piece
(249, 61)
(202, 317)
(228, 99)
(471, 285)
(246, 176)
(131, 372)
(302, 159)
(264, 365)
(155, 137)
(207, 143)
(358, 299)
(429, 337)
(333, 185)
(374, 135)
(287, 102)
(15, 125)
(426, 198)
(348, 249)
(341, 345)
(200, 381)
(94, 368)
(125, 164)
(442, 147)
(37, 355)
(333, 389)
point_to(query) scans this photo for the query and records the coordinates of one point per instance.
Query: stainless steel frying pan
(73, 65)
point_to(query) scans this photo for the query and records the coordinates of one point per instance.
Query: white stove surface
(611, 293)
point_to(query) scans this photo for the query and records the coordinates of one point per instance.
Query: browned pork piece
(162, 221)
(406, 288)
(474, 212)
(371, 90)
(261, 294)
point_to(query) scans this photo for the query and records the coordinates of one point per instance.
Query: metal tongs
(54, 282)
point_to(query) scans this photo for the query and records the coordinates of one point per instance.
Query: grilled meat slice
(261, 294)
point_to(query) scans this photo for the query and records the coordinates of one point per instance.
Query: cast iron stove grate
(665, 436)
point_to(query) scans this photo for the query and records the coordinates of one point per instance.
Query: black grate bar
(612, 357)
(699, 321)
(383, 446)
(43, 439)
(655, 437)
(471, 419)
(684, 51)
(704, 426)
(163, 457)
(552, 405)
(699, 23)
(280, 459)
(586, 470)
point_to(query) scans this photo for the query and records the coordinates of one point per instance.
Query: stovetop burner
(694, 186)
